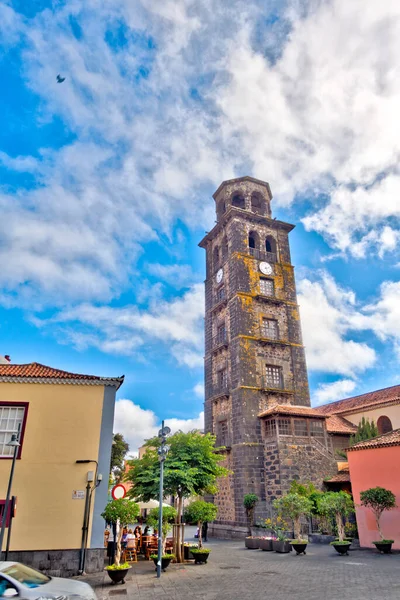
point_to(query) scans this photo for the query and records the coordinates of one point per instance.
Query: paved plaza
(235, 572)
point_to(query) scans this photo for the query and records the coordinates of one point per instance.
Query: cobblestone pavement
(235, 572)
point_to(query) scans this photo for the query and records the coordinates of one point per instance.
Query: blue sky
(107, 182)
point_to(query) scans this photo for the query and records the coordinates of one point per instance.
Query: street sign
(78, 494)
(118, 492)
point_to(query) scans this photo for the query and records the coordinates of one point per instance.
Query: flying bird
(60, 79)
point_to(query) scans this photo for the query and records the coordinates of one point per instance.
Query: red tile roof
(382, 441)
(390, 395)
(289, 409)
(338, 424)
(37, 373)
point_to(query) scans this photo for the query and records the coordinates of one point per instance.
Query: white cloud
(384, 314)
(138, 424)
(178, 275)
(176, 325)
(328, 392)
(328, 314)
(199, 390)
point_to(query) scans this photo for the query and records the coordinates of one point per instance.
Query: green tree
(378, 499)
(201, 512)
(338, 505)
(168, 517)
(366, 430)
(293, 506)
(249, 502)
(122, 513)
(119, 450)
(191, 468)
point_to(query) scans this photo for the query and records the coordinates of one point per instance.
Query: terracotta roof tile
(388, 395)
(289, 409)
(35, 371)
(387, 439)
(338, 424)
(339, 478)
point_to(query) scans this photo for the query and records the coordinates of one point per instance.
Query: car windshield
(26, 575)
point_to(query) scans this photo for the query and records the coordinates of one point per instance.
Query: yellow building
(63, 418)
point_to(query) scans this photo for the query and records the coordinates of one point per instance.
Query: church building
(257, 399)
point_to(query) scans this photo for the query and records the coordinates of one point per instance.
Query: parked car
(18, 580)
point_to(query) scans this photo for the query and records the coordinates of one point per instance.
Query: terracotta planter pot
(383, 547)
(342, 548)
(252, 543)
(266, 545)
(300, 548)
(281, 547)
(117, 576)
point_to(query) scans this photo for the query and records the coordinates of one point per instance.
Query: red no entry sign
(118, 492)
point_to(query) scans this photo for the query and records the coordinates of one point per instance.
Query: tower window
(221, 334)
(216, 258)
(269, 329)
(266, 287)
(300, 427)
(273, 376)
(384, 425)
(224, 249)
(222, 434)
(270, 248)
(222, 378)
(257, 203)
(238, 201)
(252, 242)
(220, 294)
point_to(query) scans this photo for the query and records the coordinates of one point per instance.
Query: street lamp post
(14, 443)
(162, 453)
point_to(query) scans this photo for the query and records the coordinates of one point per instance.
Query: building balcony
(270, 257)
(265, 383)
(220, 389)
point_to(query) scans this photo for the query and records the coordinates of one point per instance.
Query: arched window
(254, 243)
(224, 249)
(216, 258)
(238, 201)
(270, 247)
(257, 203)
(384, 425)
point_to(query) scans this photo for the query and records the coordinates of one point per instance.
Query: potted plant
(200, 555)
(249, 503)
(265, 543)
(294, 506)
(338, 505)
(187, 550)
(379, 499)
(201, 512)
(168, 518)
(122, 513)
(279, 527)
(252, 542)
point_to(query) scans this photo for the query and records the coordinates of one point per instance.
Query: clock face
(219, 275)
(265, 268)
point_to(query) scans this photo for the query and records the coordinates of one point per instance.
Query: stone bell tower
(254, 357)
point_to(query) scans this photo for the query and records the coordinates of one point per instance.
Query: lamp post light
(162, 454)
(96, 480)
(14, 443)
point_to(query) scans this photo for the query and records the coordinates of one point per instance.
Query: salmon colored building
(375, 463)
(63, 418)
